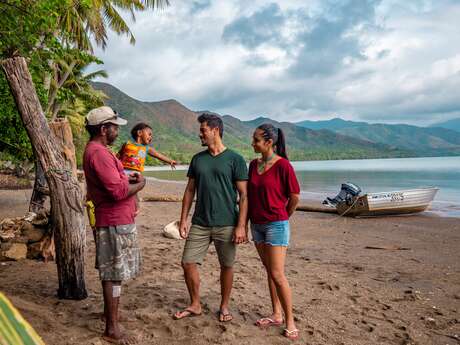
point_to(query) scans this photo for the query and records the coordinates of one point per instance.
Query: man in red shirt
(113, 195)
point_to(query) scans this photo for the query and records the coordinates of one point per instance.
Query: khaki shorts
(118, 255)
(199, 238)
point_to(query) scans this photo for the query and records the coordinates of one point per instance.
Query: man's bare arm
(240, 235)
(187, 201)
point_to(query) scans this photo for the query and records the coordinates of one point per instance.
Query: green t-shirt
(215, 182)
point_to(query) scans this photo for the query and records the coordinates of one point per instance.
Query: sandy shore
(344, 293)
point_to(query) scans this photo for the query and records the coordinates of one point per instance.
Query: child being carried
(134, 153)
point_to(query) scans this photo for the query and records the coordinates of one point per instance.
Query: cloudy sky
(387, 61)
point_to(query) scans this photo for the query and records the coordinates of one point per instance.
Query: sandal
(185, 313)
(292, 335)
(266, 322)
(225, 316)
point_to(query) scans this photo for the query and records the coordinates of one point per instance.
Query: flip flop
(291, 335)
(225, 316)
(185, 313)
(266, 322)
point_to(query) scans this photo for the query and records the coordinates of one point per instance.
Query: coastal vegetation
(175, 133)
(45, 46)
(437, 140)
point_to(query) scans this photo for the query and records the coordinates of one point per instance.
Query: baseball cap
(101, 115)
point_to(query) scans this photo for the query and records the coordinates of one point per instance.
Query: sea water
(319, 179)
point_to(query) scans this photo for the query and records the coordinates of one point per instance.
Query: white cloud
(378, 60)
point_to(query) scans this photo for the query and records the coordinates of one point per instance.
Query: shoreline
(448, 210)
(338, 160)
(176, 188)
(351, 284)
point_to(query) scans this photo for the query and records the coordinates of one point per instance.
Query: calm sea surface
(319, 179)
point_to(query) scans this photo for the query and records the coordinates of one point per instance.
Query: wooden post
(63, 133)
(65, 194)
(40, 191)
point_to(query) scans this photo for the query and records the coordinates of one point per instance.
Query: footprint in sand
(325, 286)
(367, 326)
(354, 298)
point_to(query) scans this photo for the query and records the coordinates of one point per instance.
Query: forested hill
(176, 132)
(424, 141)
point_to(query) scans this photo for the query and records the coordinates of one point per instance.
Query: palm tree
(27, 26)
(83, 22)
(69, 78)
(77, 23)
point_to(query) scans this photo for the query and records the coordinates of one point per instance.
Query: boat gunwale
(404, 190)
(384, 206)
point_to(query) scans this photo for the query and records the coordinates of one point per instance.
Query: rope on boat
(348, 209)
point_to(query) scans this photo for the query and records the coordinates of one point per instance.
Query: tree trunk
(65, 193)
(38, 198)
(59, 82)
(63, 133)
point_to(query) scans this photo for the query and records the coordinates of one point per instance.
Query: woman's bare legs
(273, 258)
(277, 314)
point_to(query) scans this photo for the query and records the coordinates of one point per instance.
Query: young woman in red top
(273, 192)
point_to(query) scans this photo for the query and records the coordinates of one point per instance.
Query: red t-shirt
(107, 186)
(268, 193)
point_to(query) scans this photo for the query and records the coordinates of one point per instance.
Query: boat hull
(388, 203)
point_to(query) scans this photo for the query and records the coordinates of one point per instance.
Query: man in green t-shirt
(217, 175)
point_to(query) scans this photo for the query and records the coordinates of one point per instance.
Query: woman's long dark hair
(277, 135)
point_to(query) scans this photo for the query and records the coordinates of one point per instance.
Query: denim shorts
(274, 233)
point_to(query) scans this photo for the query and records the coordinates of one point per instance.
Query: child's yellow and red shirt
(133, 156)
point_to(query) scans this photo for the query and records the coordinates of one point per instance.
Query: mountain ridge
(453, 124)
(423, 140)
(176, 132)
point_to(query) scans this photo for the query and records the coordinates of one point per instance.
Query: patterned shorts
(118, 255)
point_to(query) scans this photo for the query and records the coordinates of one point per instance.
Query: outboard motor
(346, 194)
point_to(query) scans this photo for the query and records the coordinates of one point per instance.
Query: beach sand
(343, 292)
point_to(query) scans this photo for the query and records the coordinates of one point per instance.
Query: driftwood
(162, 198)
(391, 247)
(313, 208)
(173, 198)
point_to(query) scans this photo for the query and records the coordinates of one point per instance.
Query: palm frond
(156, 4)
(93, 75)
(83, 20)
(116, 22)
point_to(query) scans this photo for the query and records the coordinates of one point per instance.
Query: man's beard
(111, 140)
(203, 142)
